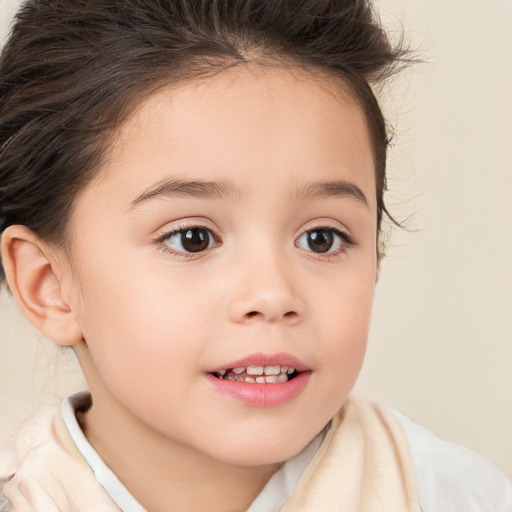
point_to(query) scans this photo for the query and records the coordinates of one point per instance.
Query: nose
(266, 291)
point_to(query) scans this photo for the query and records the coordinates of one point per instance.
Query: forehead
(245, 123)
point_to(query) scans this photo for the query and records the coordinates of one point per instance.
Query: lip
(261, 395)
(264, 394)
(260, 359)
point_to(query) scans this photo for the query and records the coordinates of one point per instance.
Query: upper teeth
(276, 373)
(264, 370)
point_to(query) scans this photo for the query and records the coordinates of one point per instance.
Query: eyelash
(160, 241)
(346, 240)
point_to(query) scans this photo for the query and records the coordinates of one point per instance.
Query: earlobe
(37, 286)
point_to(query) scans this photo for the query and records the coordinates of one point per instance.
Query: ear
(36, 281)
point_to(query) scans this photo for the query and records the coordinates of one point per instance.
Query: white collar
(81, 401)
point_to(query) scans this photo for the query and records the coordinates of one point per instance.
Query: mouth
(261, 380)
(272, 374)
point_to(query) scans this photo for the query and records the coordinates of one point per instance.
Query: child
(191, 195)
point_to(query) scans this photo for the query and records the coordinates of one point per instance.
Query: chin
(259, 452)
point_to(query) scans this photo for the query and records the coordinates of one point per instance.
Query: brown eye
(190, 240)
(322, 240)
(195, 240)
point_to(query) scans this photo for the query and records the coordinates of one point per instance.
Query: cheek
(138, 325)
(140, 340)
(345, 315)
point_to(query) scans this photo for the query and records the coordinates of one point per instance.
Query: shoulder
(452, 478)
(30, 436)
(50, 473)
(5, 504)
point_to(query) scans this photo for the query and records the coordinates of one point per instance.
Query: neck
(163, 475)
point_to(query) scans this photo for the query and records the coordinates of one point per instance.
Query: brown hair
(72, 70)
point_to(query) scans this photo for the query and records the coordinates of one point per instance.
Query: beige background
(441, 344)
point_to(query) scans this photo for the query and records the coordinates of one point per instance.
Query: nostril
(289, 316)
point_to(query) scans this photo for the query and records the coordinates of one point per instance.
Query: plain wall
(440, 348)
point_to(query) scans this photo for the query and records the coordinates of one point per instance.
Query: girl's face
(234, 226)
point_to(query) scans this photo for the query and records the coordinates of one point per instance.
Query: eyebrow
(175, 187)
(334, 188)
(169, 187)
